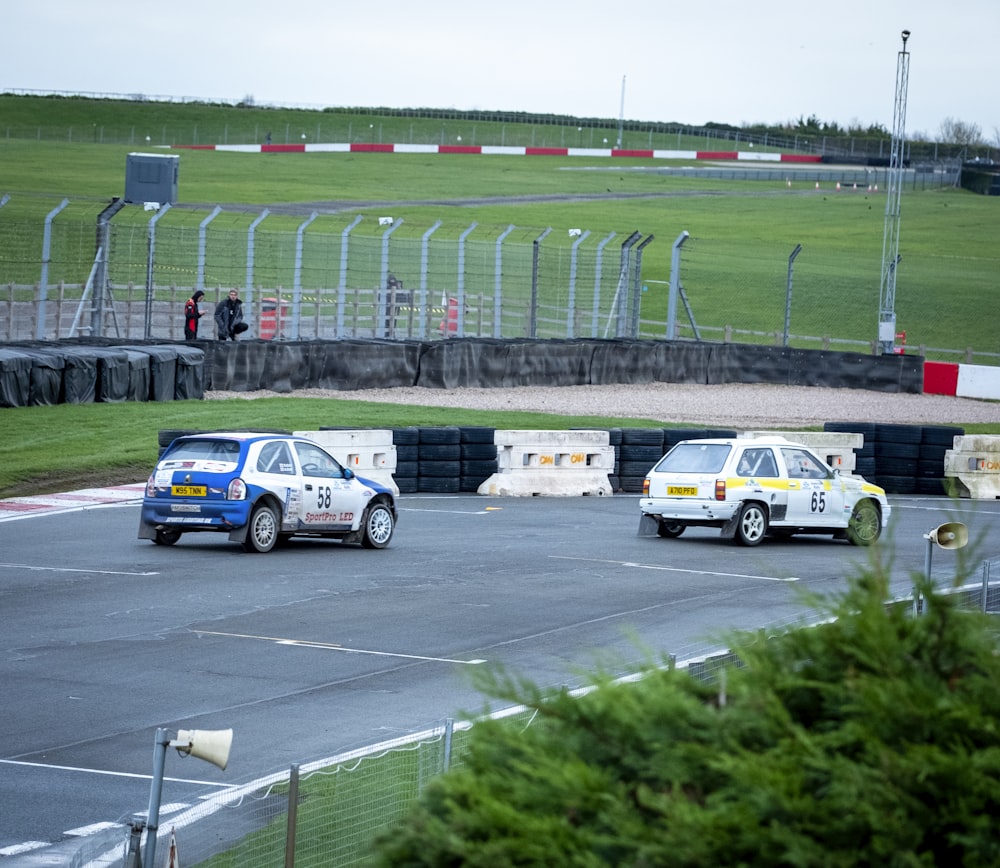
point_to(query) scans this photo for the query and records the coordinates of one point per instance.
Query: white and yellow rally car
(752, 488)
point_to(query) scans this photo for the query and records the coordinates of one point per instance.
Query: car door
(815, 496)
(330, 501)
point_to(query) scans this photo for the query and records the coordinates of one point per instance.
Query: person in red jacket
(192, 313)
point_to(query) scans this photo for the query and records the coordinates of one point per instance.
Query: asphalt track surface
(320, 648)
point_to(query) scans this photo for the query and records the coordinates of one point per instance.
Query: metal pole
(293, 813)
(533, 308)
(460, 284)
(150, 258)
(99, 288)
(155, 791)
(250, 259)
(202, 243)
(297, 279)
(675, 284)
(788, 292)
(425, 249)
(382, 307)
(498, 283)
(342, 285)
(595, 324)
(890, 239)
(571, 303)
(637, 288)
(46, 252)
(621, 115)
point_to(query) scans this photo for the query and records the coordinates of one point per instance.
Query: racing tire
(166, 536)
(377, 526)
(865, 524)
(751, 526)
(670, 529)
(262, 530)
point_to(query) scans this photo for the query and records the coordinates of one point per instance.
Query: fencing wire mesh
(327, 277)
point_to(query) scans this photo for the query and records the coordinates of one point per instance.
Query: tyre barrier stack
(902, 459)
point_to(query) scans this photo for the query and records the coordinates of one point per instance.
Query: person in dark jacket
(192, 313)
(229, 317)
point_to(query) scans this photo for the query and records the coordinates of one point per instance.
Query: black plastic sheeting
(112, 372)
(15, 378)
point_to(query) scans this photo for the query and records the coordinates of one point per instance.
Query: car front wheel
(865, 525)
(670, 529)
(378, 527)
(262, 532)
(751, 527)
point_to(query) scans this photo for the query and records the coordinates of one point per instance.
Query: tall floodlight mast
(890, 239)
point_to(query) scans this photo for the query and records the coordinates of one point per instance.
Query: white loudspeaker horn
(952, 535)
(211, 745)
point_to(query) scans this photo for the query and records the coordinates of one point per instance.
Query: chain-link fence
(79, 273)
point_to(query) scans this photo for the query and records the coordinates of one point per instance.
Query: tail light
(237, 490)
(645, 487)
(150, 486)
(720, 489)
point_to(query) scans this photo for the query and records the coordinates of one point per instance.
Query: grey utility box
(151, 178)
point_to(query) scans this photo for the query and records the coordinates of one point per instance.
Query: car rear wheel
(751, 527)
(262, 532)
(670, 529)
(166, 536)
(378, 527)
(865, 525)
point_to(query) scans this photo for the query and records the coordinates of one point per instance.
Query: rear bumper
(689, 509)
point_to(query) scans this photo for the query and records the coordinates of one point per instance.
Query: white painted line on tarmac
(447, 511)
(74, 570)
(8, 762)
(332, 646)
(638, 566)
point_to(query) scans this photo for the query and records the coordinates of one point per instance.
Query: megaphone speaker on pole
(211, 745)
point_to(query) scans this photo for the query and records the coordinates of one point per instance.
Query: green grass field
(735, 263)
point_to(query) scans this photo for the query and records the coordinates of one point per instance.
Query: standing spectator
(229, 317)
(193, 313)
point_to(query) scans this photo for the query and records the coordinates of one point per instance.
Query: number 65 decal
(818, 503)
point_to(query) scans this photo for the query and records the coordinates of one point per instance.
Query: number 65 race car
(755, 488)
(261, 490)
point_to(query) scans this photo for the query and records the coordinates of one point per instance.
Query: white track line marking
(332, 646)
(639, 566)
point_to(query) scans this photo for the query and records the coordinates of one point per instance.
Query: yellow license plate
(683, 490)
(188, 490)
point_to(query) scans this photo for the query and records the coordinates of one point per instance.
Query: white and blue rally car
(262, 490)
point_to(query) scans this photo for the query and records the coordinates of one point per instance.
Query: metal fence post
(342, 283)
(460, 289)
(297, 282)
(150, 258)
(46, 253)
(292, 816)
(637, 288)
(498, 283)
(202, 240)
(250, 258)
(595, 324)
(536, 246)
(788, 293)
(381, 298)
(675, 285)
(571, 301)
(424, 264)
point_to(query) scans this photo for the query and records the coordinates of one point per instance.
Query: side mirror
(348, 473)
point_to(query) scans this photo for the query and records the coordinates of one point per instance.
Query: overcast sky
(694, 62)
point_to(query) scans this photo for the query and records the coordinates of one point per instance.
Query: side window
(757, 462)
(802, 465)
(315, 462)
(276, 458)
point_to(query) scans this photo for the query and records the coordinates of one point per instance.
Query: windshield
(695, 457)
(205, 450)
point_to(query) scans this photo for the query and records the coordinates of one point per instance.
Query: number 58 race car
(261, 490)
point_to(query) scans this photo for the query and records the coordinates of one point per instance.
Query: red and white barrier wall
(963, 381)
(374, 148)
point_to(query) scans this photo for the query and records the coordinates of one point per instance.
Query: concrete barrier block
(561, 463)
(836, 448)
(974, 464)
(367, 452)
